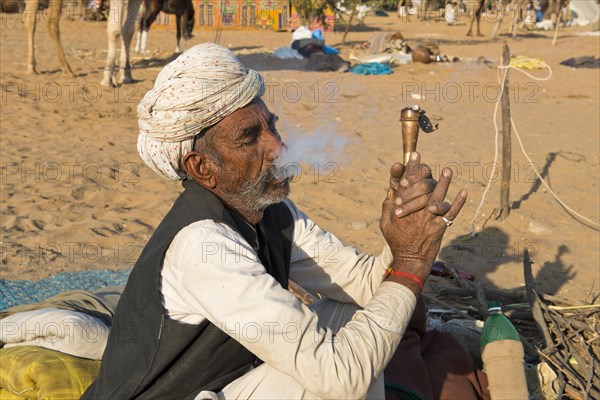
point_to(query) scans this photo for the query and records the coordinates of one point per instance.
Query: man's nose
(274, 146)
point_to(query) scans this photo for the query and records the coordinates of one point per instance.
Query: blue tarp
(14, 293)
(373, 68)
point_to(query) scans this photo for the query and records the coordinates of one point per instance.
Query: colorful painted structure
(241, 14)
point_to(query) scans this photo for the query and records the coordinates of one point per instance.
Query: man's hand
(412, 222)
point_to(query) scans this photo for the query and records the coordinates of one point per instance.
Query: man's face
(249, 144)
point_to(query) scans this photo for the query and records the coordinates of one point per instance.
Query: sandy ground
(75, 195)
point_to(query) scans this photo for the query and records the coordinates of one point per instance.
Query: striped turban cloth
(198, 89)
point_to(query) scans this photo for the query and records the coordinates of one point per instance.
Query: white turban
(198, 89)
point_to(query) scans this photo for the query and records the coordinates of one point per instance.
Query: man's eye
(250, 136)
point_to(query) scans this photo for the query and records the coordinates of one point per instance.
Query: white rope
(489, 183)
(562, 203)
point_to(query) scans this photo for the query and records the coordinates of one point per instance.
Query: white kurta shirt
(211, 272)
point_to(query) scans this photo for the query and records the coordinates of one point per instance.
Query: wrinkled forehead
(253, 114)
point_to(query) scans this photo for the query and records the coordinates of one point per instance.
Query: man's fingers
(415, 171)
(439, 209)
(439, 194)
(457, 205)
(396, 172)
(411, 206)
(418, 189)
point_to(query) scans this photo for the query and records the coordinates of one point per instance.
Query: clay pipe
(409, 116)
(413, 118)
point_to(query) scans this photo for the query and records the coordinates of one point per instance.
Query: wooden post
(347, 28)
(561, 4)
(515, 19)
(506, 144)
(501, 10)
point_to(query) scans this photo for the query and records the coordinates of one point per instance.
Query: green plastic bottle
(503, 356)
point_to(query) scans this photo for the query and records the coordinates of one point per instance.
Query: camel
(120, 27)
(522, 13)
(52, 17)
(503, 7)
(518, 8)
(474, 10)
(184, 12)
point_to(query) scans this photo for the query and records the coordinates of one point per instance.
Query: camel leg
(137, 40)
(425, 4)
(140, 28)
(52, 22)
(515, 18)
(499, 22)
(471, 21)
(127, 30)
(143, 26)
(478, 16)
(113, 29)
(477, 21)
(144, 42)
(151, 11)
(180, 22)
(31, 7)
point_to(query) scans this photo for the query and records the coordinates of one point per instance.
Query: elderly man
(206, 312)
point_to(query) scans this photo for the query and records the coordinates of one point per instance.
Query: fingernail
(447, 173)
(404, 182)
(398, 201)
(399, 211)
(414, 156)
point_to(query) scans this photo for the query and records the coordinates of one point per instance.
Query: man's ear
(200, 168)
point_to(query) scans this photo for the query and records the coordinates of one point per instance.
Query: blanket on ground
(31, 372)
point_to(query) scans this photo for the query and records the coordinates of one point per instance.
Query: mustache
(275, 171)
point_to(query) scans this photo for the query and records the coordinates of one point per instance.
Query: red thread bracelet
(407, 275)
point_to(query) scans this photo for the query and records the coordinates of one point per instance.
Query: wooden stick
(454, 271)
(534, 302)
(569, 374)
(506, 143)
(579, 357)
(347, 28)
(491, 294)
(558, 19)
(590, 372)
(480, 294)
(456, 310)
(305, 296)
(561, 308)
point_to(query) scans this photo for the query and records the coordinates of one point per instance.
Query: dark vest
(149, 356)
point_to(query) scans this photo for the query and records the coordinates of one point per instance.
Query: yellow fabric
(31, 372)
(526, 62)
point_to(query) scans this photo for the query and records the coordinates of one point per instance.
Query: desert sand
(75, 196)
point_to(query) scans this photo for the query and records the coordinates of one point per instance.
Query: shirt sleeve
(321, 263)
(218, 276)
